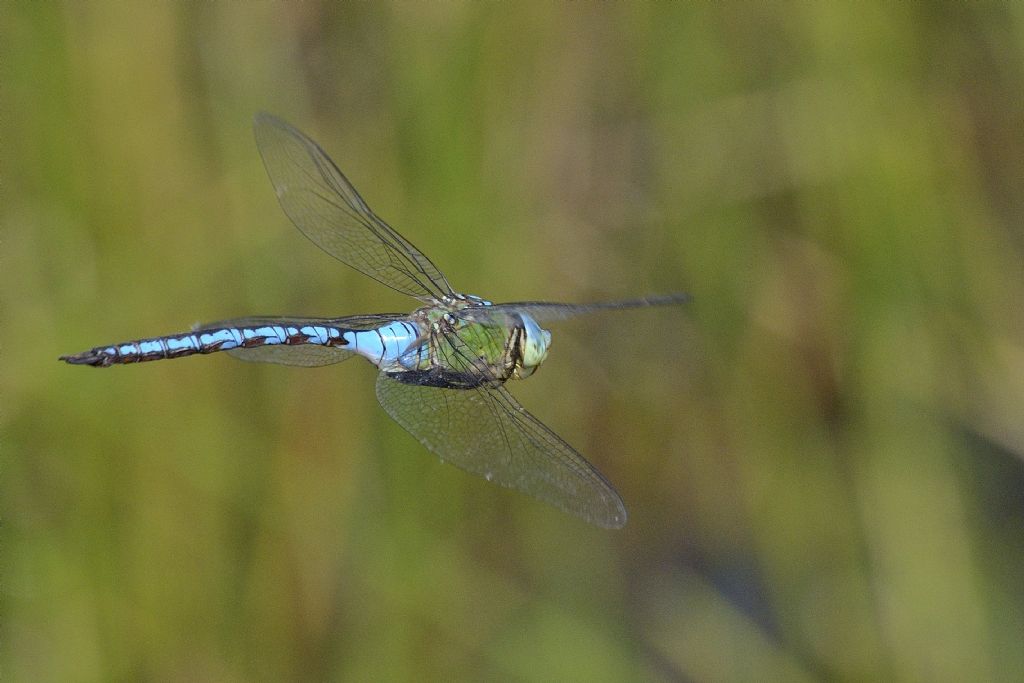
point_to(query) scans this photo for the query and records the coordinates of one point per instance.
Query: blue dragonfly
(443, 367)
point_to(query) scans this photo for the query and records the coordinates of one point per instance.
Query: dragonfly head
(534, 343)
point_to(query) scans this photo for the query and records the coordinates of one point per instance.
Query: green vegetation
(821, 455)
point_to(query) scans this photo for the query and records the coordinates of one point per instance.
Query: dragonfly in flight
(443, 367)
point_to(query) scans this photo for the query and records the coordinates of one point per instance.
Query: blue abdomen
(209, 341)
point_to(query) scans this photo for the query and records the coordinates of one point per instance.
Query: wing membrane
(305, 356)
(488, 433)
(325, 206)
(545, 311)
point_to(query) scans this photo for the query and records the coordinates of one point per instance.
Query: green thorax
(456, 344)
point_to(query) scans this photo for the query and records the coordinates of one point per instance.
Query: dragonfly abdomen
(209, 341)
(383, 345)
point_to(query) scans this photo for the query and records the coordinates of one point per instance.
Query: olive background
(821, 454)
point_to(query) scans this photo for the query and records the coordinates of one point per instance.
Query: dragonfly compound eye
(535, 341)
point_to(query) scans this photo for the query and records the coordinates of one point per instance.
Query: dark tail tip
(85, 358)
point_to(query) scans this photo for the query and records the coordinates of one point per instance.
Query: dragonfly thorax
(460, 344)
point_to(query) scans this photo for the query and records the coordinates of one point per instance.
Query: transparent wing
(487, 432)
(322, 203)
(544, 311)
(303, 355)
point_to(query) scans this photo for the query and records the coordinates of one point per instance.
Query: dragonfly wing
(322, 203)
(487, 432)
(302, 355)
(545, 311)
(296, 356)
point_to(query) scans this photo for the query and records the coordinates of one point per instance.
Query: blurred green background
(821, 455)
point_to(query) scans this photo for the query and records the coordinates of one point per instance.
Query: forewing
(546, 311)
(488, 433)
(302, 355)
(322, 203)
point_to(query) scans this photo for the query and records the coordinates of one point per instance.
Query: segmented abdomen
(209, 341)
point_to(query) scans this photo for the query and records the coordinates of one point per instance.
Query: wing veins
(325, 206)
(395, 253)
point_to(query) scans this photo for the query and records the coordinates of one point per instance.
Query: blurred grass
(821, 456)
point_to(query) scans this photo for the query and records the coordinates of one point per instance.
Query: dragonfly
(442, 368)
